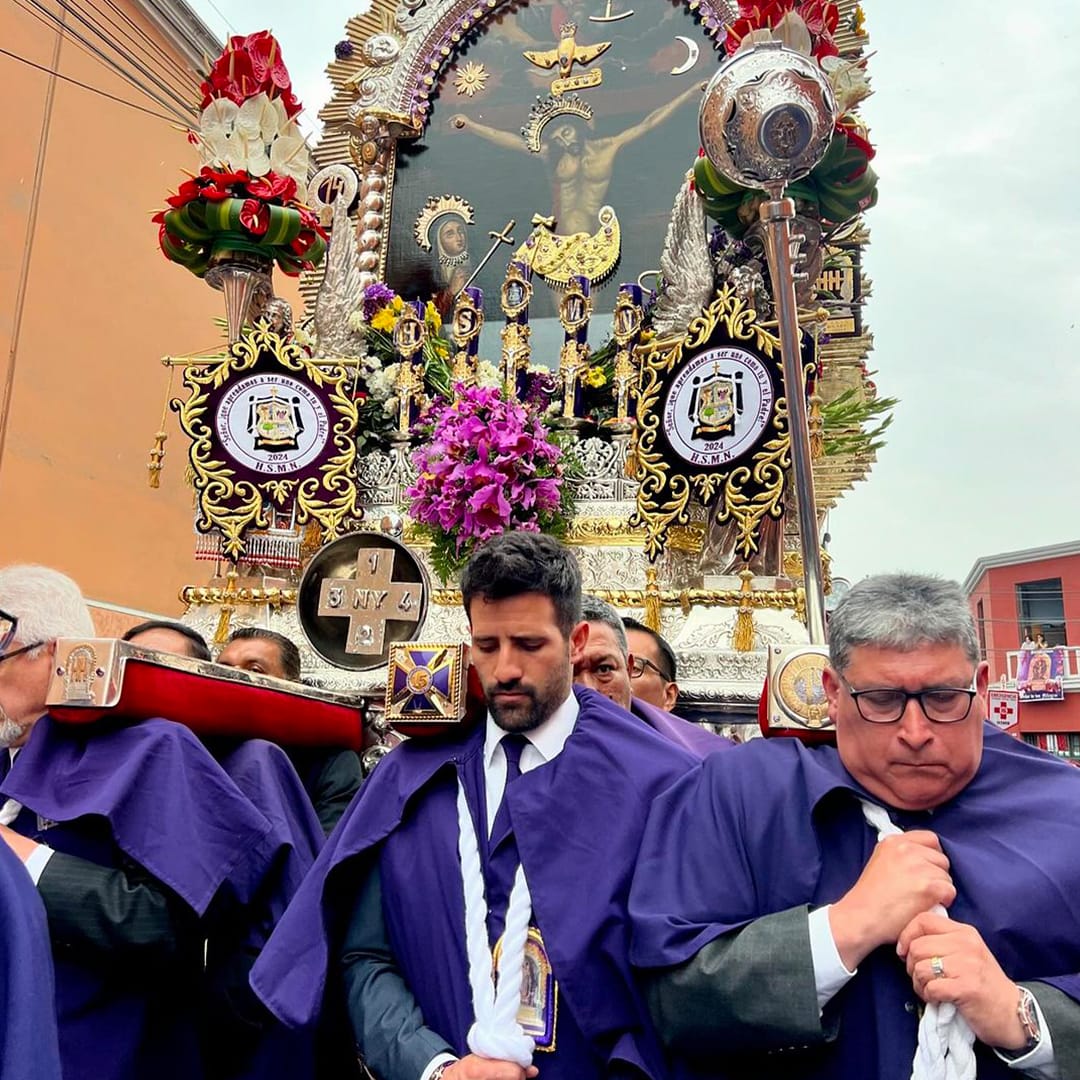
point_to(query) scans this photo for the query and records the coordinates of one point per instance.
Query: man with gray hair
(130, 833)
(798, 908)
(604, 663)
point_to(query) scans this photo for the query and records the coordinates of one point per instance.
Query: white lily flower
(289, 157)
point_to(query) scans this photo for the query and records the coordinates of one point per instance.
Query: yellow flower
(595, 378)
(398, 305)
(432, 317)
(384, 320)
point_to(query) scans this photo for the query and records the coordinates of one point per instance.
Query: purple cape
(264, 773)
(153, 792)
(609, 771)
(688, 735)
(169, 805)
(28, 1046)
(778, 825)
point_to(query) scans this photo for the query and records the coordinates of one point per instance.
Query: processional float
(684, 388)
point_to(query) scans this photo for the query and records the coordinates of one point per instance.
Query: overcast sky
(974, 260)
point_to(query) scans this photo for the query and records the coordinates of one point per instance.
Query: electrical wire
(167, 57)
(93, 89)
(182, 112)
(180, 80)
(179, 98)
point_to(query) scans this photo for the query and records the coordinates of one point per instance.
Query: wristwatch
(1029, 1021)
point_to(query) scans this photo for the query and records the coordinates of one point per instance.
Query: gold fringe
(221, 633)
(157, 454)
(817, 428)
(652, 600)
(742, 637)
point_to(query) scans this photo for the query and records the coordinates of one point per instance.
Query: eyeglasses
(942, 704)
(638, 664)
(8, 623)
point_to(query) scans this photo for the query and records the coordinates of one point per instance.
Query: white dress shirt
(543, 744)
(830, 975)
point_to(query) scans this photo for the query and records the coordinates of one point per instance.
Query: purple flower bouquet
(486, 465)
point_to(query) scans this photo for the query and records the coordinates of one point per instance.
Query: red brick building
(1033, 595)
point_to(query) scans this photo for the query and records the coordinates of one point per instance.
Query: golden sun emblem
(470, 79)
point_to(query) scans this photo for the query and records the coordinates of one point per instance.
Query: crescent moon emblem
(691, 55)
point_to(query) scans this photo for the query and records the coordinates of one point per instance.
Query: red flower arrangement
(218, 212)
(820, 18)
(250, 65)
(245, 199)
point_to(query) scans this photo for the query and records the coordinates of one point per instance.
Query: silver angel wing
(340, 291)
(686, 266)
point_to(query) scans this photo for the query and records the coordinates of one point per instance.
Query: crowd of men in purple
(656, 901)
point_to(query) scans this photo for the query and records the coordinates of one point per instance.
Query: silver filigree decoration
(340, 290)
(685, 265)
(381, 49)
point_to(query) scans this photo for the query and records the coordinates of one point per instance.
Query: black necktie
(512, 744)
(5, 763)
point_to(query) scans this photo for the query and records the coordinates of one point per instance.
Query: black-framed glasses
(8, 625)
(638, 664)
(885, 705)
(19, 652)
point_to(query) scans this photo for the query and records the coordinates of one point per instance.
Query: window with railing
(1065, 744)
(1040, 608)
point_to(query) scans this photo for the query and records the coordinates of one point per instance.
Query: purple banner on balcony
(1039, 675)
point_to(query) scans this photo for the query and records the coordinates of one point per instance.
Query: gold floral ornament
(711, 426)
(471, 79)
(269, 426)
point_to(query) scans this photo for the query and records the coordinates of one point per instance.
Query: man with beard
(131, 834)
(509, 844)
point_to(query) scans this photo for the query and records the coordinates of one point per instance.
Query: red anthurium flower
(223, 177)
(820, 16)
(302, 244)
(272, 186)
(255, 217)
(856, 138)
(188, 190)
(266, 61)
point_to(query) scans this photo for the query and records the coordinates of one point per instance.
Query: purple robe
(151, 795)
(240, 1043)
(28, 1043)
(690, 736)
(779, 825)
(577, 822)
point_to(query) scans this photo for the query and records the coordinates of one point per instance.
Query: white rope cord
(945, 1044)
(496, 1032)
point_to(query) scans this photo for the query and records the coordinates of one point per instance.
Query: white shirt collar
(547, 740)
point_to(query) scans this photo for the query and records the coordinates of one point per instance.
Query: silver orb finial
(767, 116)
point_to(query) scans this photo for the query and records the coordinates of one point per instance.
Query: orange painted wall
(102, 307)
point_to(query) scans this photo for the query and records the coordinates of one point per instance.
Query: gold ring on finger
(937, 966)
